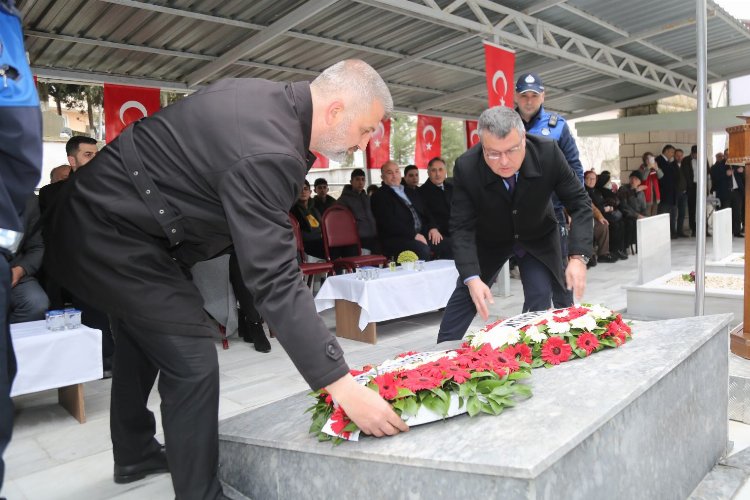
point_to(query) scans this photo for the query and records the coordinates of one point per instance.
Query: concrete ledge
(656, 300)
(647, 420)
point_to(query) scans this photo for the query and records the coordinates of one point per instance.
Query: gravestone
(722, 234)
(647, 420)
(654, 247)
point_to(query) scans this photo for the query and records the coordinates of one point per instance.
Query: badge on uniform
(545, 131)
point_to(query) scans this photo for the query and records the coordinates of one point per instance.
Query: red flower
(415, 381)
(492, 325)
(434, 369)
(405, 354)
(571, 313)
(504, 362)
(543, 322)
(387, 386)
(458, 374)
(588, 342)
(520, 351)
(354, 372)
(619, 338)
(339, 421)
(555, 350)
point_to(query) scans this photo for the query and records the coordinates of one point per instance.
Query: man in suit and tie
(437, 194)
(402, 221)
(501, 207)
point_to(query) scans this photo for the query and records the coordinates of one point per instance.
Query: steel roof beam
(543, 5)
(402, 58)
(203, 57)
(259, 40)
(614, 62)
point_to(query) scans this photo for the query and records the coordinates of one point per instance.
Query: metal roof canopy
(593, 55)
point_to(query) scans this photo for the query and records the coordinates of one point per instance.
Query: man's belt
(170, 222)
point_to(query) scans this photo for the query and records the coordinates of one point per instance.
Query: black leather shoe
(607, 259)
(155, 464)
(259, 337)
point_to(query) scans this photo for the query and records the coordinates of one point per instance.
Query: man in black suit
(168, 193)
(501, 207)
(402, 221)
(668, 184)
(437, 194)
(689, 171)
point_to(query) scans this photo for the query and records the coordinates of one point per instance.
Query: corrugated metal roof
(165, 42)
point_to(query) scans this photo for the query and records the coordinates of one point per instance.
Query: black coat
(486, 221)
(438, 203)
(393, 217)
(230, 160)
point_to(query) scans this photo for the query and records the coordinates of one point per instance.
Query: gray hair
(357, 79)
(499, 121)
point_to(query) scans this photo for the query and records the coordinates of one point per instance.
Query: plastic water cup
(72, 318)
(55, 320)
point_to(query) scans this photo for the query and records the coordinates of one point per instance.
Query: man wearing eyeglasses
(501, 207)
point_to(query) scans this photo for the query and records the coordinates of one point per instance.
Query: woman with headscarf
(650, 175)
(606, 201)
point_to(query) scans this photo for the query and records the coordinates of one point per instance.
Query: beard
(333, 145)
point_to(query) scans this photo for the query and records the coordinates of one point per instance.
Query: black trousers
(247, 311)
(188, 371)
(538, 286)
(562, 297)
(7, 364)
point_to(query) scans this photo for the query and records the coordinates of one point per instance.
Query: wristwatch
(582, 258)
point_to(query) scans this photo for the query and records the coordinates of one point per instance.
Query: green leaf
(473, 406)
(537, 362)
(522, 390)
(411, 406)
(404, 392)
(441, 394)
(518, 375)
(497, 408)
(486, 386)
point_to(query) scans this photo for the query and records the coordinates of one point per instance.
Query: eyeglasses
(498, 155)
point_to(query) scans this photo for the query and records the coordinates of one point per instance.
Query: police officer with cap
(529, 105)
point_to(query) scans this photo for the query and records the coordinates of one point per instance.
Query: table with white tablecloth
(394, 294)
(60, 360)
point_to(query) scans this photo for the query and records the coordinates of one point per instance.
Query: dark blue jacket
(20, 122)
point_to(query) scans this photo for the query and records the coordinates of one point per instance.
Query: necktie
(511, 182)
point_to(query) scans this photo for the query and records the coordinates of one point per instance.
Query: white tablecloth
(48, 360)
(394, 294)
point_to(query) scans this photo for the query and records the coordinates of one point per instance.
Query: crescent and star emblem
(474, 137)
(378, 134)
(500, 75)
(132, 104)
(429, 128)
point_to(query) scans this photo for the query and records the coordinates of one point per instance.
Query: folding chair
(340, 230)
(309, 269)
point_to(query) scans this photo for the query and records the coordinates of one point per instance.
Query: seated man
(356, 199)
(323, 201)
(402, 222)
(28, 302)
(411, 177)
(309, 223)
(437, 194)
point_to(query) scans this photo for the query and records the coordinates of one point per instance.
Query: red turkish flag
(320, 160)
(124, 104)
(472, 136)
(498, 66)
(429, 134)
(378, 150)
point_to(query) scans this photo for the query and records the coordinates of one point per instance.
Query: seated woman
(309, 222)
(606, 201)
(632, 205)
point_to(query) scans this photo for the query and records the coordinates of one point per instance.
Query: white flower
(585, 322)
(600, 312)
(555, 327)
(500, 336)
(535, 335)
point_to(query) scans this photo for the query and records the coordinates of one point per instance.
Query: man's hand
(421, 238)
(604, 221)
(17, 273)
(435, 236)
(575, 276)
(480, 295)
(372, 414)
